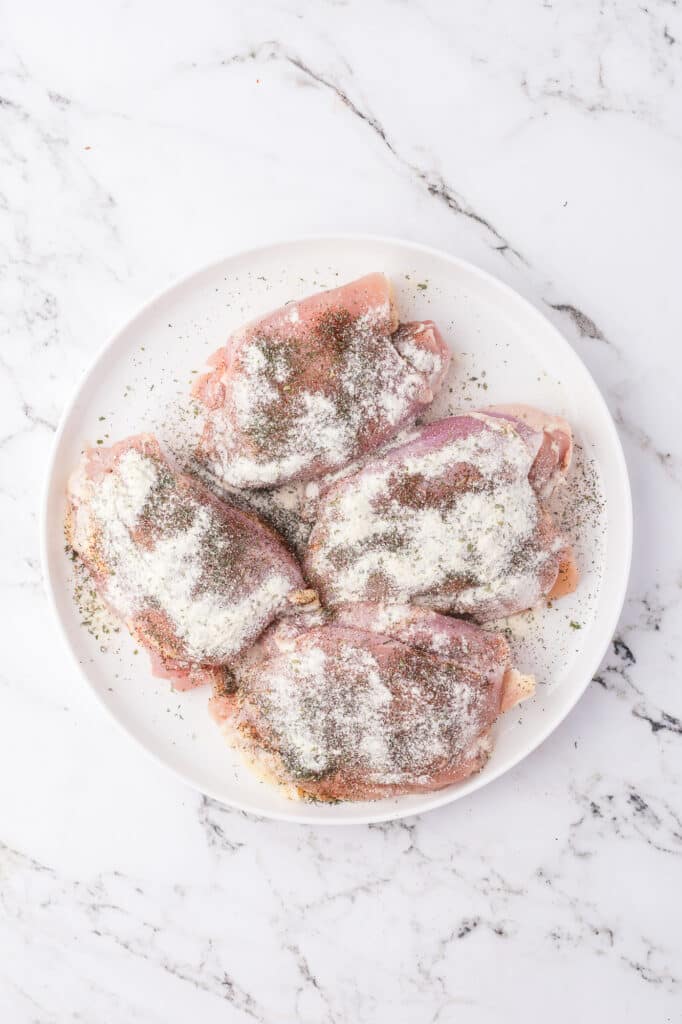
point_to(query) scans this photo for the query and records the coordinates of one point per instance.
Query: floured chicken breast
(453, 519)
(376, 702)
(308, 388)
(194, 579)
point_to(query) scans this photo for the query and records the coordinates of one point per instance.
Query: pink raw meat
(553, 457)
(453, 520)
(463, 643)
(402, 704)
(194, 579)
(316, 384)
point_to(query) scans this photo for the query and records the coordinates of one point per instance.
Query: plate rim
(439, 798)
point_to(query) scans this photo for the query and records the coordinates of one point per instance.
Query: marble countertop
(541, 141)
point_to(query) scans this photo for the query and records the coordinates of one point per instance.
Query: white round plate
(504, 351)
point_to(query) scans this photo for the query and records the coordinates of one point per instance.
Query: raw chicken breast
(194, 579)
(340, 712)
(316, 384)
(453, 520)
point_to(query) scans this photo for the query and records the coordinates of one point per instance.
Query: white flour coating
(308, 493)
(286, 718)
(334, 710)
(306, 735)
(212, 623)
(366, 530)
(282, 507)
(428, 631)
(431, 637)
(497, 447)
(459, 542)
(422, 359)
(385, 616)
(126, 499)
(264, 434)
(334, 437)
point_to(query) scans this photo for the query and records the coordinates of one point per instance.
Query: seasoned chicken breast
(194, 579)
(376, 702)
(453, 519)
(312, 386)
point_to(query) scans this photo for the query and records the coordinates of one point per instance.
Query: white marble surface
(542, 141)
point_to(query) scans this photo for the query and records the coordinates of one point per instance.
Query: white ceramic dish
(505, 350)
